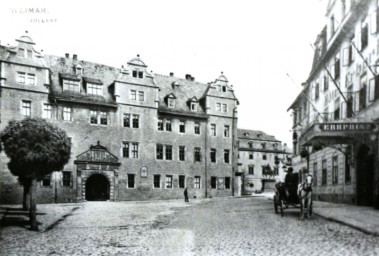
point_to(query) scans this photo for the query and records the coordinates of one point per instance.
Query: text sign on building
(347, 127)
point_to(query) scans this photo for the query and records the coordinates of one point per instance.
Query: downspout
(205, 160)
(233, 149)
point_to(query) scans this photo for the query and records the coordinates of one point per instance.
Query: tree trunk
(33, 205)
(26, 198)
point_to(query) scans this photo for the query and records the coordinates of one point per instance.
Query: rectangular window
(168, 181)
(227, 182)
(26, 110)
(182, 127)
(335, 169)
(126, 120)
(168, 125)
(21, 52)
(251, 156)
(196, 183)
(67, 114)
(363, 94)
(134, 150)
(226, 131)
(337, 67)
(213, 155)
(95, 89)
(251, 169)
(125, 150)
(103, 118)
(47, 111)
(71, 85)
(226, 156)
(347, 170)
(197, 155)
(135, 121)
(324, 172)
(315, 173)
(317, 91)
(220, 183)
(364, 35)
(21, 77)
(131, 180)
(30, 54)
(140, 74)
(182, 181)
(66, 179)
(159, 151)
(218, 107)
(213, 129)
(157, 181)
(93, 117)
(134, 73)
(197, 128)
(337, 109)
(171, 102)
(46, 181)
(31, 79)
(141, 96)
(224, 108)
(133, 94)
(160, 124)
(213, 182)
(193, 106)
(168, 152)
(182, 153)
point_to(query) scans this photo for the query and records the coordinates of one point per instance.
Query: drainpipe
(205, 160)
(234, 129)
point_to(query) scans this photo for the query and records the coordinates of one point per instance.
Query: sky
(254, 43)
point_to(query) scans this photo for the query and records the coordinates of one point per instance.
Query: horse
(304, 192)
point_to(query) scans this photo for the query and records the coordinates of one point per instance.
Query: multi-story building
(135, 135)
(335, 129)
(262, 161)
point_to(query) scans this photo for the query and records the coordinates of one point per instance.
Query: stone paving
(232, 226)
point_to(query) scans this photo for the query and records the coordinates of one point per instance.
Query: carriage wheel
(276, 205)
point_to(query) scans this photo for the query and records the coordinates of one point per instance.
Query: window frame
(131, 181)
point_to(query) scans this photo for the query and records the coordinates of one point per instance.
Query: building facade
(335, 128)
(135, 135)
(262, 161)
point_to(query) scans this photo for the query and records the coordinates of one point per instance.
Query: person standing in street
(186, 195)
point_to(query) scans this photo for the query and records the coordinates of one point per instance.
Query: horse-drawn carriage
(294, 195)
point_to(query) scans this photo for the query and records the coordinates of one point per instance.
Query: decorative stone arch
(96, 160)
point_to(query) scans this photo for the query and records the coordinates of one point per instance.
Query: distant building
(262, 161)
(335, 117)
(135, 135)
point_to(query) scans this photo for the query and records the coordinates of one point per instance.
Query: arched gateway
(97, 175)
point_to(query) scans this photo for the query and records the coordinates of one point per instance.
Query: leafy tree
(35, 148)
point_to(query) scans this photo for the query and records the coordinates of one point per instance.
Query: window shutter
(371, 90)
(374, 22)
(345, 56)
(331, 70)
(376, 87)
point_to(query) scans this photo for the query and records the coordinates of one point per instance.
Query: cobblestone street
(245, 226)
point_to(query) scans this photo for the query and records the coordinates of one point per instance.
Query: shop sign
(347, 127)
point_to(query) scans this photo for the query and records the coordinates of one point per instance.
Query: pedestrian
(186, 195)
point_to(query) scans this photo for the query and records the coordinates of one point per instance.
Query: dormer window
(246, 134)
(71, 85)
(137, 74)
(194, 106)
(171, 102)
(78, 70)
(29, 54)
(263, 145)
(95, 89)
(250, 143)
(224, 88)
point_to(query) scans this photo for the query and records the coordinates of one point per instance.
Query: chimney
(75, 57)
(192, 79)
(67, 55)
(171, 74)
(188, 77)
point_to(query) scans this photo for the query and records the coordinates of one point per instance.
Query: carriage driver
(290, 182)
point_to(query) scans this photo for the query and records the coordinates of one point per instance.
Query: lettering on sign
(347, 127)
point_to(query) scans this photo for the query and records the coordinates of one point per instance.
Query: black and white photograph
(178, 128)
